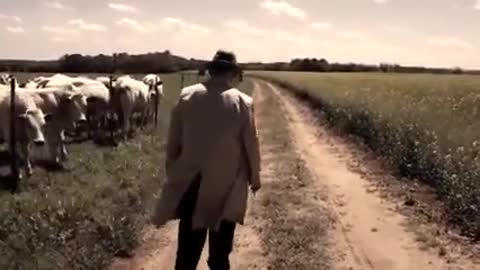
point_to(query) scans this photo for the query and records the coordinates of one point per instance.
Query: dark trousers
(191, 242)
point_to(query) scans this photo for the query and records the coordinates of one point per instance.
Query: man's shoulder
(188, 91)
(241, 96)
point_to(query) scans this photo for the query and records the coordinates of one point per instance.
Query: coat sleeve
(164, 209)
(252, 146)
(174, 140)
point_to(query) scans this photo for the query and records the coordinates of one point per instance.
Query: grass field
(426, 125)
(83, 216)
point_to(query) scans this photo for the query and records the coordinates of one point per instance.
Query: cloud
(243, 27)
(322, 25)
(15, 29)
(396, 29)
(450, 42)
(352, 34)
(294, 37)
(283, 8)
(59, 40)
(122, 7)
(284, 35)
(59, 30)
(17, 19)
(134, 25)
(11, 18)
(55, 5)
(173, 20)
(82, 25)
(183, 25)
(477, 5)
(71, 29)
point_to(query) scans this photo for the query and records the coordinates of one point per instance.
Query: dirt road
(370, 233)
(308, 183)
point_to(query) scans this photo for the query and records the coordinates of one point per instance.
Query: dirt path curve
(370, 235)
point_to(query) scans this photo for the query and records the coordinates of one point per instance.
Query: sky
(437, 33)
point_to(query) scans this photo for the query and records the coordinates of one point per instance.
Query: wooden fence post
(13, 149)
(114, 63)
(110, 116)
(157, 100)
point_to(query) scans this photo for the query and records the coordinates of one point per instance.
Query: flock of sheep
(48, 107)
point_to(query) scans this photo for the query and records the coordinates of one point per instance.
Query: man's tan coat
(213, 133)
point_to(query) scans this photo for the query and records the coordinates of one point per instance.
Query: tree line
(322, 65)
(166, 62)
(158, 62)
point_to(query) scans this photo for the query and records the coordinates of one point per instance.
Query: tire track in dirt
(157, 251)
(293, 225)
(159, 247)
(369, 235)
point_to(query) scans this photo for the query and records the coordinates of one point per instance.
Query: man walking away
(213, 157)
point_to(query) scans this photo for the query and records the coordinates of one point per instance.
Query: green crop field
(81, 217)
(426, 125)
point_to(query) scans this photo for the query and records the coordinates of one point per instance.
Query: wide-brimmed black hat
(224, 60)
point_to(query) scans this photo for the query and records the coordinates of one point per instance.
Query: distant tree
(457, 70)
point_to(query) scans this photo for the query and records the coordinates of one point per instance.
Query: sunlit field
(426, 125)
